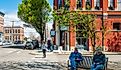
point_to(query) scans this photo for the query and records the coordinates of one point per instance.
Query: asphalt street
(17, 56)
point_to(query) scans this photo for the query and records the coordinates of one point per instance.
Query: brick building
(14, 33)
(1, 25)
(108, 14)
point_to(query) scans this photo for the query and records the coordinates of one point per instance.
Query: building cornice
(1, 13)
(13, 27)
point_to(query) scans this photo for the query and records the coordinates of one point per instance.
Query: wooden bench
(87, 63)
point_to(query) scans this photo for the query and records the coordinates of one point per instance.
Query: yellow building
(14, 33)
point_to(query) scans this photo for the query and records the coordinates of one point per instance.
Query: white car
(6, 43)
(1, 43)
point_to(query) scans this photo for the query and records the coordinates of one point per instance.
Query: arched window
(111, 4)
(79, 4)
(97, 4)
(119, 5)
(88, 4)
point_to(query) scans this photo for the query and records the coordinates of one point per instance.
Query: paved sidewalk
(114, 62)
(37, 52)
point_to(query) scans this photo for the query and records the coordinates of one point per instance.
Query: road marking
(10, 51)
(18, 52)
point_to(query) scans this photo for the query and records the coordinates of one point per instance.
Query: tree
(36, 13)
(81, 22)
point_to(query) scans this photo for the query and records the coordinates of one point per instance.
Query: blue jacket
(74, 56)
(99, 58)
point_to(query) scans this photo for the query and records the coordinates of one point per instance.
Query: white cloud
(13, 17)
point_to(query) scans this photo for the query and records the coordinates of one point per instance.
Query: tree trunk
(93, 45)
(42, 37)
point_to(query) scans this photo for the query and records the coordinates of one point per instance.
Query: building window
(13, 38)
(13, 30)
(10, 30)
(59, 4)
(116, 26)
(18, 30)
(5, 37)
(10, 37)
(79, 4)
(16, 38)
(111, 4)
(19, 37)
(5, 31)
(88, 4)
(97, 4)
(119, 5)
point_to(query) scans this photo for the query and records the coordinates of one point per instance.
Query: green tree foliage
(81, 22)
(36, 13)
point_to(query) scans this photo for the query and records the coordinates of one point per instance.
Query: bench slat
(87, 62)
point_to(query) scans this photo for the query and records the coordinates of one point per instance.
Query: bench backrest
(87, 62)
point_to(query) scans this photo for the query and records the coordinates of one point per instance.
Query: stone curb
(68, 52)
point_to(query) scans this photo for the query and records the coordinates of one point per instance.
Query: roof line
(2, 13)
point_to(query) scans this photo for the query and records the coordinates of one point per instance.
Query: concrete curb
(90, 53)
(68, 52)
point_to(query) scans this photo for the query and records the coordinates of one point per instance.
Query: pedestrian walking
(75, 58)
(44, 49)
(98, 60)
(49, 45)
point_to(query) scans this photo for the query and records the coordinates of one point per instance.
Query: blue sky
(9, 7)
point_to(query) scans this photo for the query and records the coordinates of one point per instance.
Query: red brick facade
(112, 21)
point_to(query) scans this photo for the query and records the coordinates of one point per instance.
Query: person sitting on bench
(98, 60)
(75, 58)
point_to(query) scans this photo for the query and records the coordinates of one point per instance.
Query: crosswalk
(14, 51)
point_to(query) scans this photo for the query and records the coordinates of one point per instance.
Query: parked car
(35, 44)
(19, 44)
(1, 43)
(29, 45)
(6, 43)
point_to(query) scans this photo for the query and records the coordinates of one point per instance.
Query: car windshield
(18, 42)
(4, 41)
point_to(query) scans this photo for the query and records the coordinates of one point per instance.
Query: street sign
(63, 28)
(52, 33)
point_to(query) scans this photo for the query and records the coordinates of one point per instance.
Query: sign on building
(52, 33)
